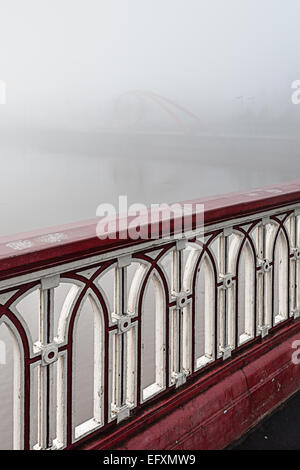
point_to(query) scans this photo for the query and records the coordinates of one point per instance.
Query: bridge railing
(164, 310)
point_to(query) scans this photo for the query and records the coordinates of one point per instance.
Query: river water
(54, 179)
(51, 178)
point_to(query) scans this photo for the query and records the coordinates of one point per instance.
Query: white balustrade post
(181, 328)
(49, 353)
(263, 278)
(120, 406)
(227, 283)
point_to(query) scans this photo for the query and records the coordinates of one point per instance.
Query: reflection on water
(55, 182)
(46, 185)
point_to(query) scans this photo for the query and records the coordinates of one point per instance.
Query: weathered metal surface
(218, 407)
(223, 303)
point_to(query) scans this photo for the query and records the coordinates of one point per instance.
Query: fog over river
(63, 181)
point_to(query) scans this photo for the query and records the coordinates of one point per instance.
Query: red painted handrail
(81, 240)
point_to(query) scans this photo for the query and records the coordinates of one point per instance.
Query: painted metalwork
(251, 264)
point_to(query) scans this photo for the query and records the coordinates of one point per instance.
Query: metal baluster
(227, 283)
(265, 268)
(179, 373)
(120, 407)
(49, 352)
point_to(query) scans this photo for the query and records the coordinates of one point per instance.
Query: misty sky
(66, 61)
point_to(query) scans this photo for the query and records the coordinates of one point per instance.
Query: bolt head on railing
(181, 299)
(265, 265)
(124, 323)
(227, 280)
(49, 352)
(296, 253)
